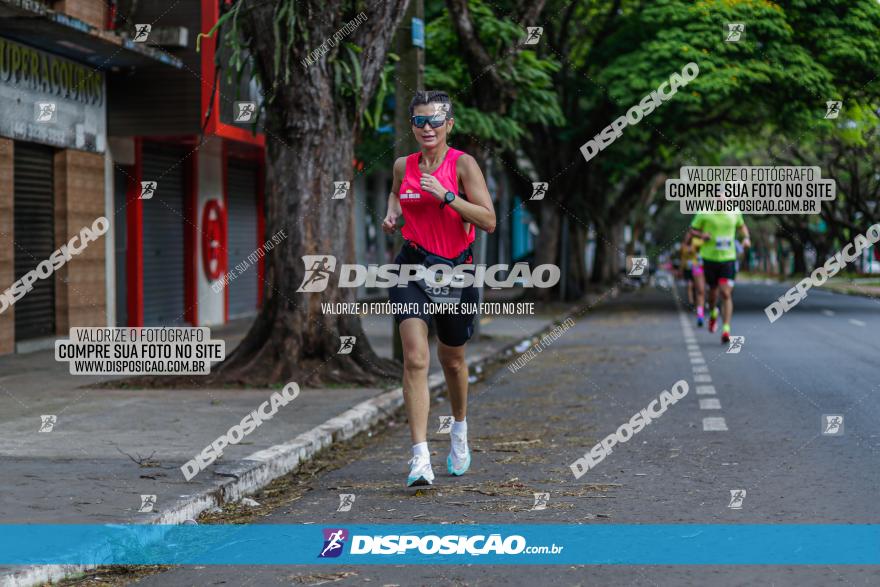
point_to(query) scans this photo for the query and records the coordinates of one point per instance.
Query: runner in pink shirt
(443, 198)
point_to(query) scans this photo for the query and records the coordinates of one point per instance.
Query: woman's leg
(456, 372)
(699, 293)
(699, 289)
(416, 359)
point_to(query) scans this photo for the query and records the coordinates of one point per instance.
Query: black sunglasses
(434, 120)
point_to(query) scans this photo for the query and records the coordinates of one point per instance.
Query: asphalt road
(526, 428)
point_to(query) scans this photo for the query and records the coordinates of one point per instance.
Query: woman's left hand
(432, 185)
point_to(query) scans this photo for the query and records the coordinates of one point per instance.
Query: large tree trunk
(547, 248)
(292, 338)
(599, 260)
(800, 260)
(606, 264)
(310, 135)
(823, 251)
(615, 236)
(577, 265)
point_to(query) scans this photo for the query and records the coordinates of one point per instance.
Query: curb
(257, 470)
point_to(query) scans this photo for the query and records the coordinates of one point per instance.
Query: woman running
(442, 195)
(692, 266)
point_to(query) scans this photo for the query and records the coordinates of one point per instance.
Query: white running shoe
(459, 459)
(420, 472)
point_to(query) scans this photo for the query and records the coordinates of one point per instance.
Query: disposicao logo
(334, 542)
(431, 544)
(319, 269)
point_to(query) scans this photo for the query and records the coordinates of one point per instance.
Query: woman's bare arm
(394, 211)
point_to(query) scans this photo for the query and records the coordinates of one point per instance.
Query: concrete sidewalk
(109, 446)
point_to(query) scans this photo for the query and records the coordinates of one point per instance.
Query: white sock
(459, 433)
(421, 449)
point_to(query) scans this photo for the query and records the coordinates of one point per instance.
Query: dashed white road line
(710, 403)
(714, 424)
(856, 322)
(701, 375)
(828, 312)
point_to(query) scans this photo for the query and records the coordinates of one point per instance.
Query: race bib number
(432, 285)
(723, 243)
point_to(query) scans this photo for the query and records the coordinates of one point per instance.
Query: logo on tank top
(410, 195)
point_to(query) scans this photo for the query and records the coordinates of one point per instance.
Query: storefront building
(88, 117)
(53, 142)
(174, 132)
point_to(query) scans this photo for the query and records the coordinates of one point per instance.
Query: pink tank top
(439, 231)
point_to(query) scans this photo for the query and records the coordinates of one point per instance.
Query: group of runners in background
(708, 257)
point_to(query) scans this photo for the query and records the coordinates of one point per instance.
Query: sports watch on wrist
(447, 198)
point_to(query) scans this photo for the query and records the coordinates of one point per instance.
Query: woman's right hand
(389, 225)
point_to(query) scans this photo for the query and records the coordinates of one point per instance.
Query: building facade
(176, 132)
(97, 122)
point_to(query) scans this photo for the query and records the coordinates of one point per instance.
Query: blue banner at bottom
(280, 544)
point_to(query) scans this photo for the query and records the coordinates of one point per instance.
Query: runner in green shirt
(718, 231)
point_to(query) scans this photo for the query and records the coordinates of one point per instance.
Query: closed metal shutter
(163, 236)
(242, 239)
(34, 236)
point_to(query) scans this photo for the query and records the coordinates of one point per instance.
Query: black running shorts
(452, 329)
(717, 270)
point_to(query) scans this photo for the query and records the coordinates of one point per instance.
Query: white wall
(210, 182)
